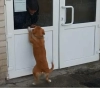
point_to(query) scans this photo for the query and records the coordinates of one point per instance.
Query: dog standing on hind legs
(36, 37)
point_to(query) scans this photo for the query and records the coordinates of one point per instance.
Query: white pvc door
(20, 55)
(78, 32)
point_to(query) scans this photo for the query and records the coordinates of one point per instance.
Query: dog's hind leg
(47, 78)
(36, 78)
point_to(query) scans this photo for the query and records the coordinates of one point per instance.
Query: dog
(36, 37)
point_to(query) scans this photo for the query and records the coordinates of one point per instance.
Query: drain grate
(93, 83)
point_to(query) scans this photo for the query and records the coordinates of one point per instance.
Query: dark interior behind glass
(45, 13)
(85, 11)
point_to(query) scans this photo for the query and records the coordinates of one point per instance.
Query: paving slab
(57, 81)
(60, 81)
(20, 79)
(92, 83)
(88, 79)
(60, 78)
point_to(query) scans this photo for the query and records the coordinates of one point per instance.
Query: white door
(79, 41)
(20, 55)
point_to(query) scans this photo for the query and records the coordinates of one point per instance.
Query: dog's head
(38, 31)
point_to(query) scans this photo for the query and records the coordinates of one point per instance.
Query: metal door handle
(72, 20)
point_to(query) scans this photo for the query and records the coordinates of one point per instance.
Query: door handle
(72, 20)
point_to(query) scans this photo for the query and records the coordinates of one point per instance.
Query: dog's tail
(52, 67)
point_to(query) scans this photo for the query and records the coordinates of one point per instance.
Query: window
(23, 19)
(85, 11)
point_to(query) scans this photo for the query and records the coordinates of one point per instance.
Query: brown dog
(36, 37)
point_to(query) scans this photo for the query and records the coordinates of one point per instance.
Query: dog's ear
(43, 32)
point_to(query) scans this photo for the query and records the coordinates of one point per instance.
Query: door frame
(57, 58)
(11, 33)
(97, 25)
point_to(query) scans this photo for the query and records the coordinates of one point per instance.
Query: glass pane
(85, 10)
(23, 17)
(45, 13)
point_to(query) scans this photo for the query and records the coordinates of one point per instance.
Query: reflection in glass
(85, 10)
(45, 13)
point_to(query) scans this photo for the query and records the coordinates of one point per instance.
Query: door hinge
(98, 25)
(8, 0)
(9, 35)
(98, 52)
(7, 76)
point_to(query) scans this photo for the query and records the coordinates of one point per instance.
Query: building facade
(3, 48)
(70, 39)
